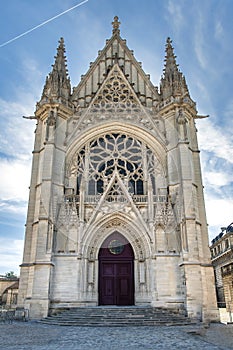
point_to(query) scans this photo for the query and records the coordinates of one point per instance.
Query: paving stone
(36, 336)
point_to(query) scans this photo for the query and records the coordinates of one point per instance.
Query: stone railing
(93, 199)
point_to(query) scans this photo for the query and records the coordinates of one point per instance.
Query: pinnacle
(173, 82)
(61, 48)
(58, 83)
(170, 58)
(116, 25)
(60, 58)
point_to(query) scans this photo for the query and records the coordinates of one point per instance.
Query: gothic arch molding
(158, 148)
(97, 233)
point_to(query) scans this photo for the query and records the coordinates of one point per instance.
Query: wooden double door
(116, 271)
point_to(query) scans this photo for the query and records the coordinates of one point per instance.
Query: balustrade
(93, 199)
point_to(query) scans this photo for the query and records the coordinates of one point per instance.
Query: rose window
(100, 160)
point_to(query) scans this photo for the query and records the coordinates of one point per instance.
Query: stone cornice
(37, 263)
(171, 104)
(195, 263)
(62, 111)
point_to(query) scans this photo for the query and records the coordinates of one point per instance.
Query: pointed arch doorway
(116, 271)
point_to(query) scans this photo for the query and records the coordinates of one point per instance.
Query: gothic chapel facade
(116, 211)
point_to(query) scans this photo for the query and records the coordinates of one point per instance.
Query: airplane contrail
(42, 24)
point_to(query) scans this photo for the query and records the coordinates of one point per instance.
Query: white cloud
(199, 42)
(22, 102)
(15, 167)
(218, 178)
(32, 75)
(16, 208)
(15, 179)
(213, 138)
(216, 145)
(11, 252)
(203, 93)
(176, 14)
(16, 132)
(219, 32)
(17, 137)
(219, 214)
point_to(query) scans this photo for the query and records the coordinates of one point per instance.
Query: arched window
(134, 162)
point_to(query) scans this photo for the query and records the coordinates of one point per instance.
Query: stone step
(115, 317)
(115, 324)
(119, 310)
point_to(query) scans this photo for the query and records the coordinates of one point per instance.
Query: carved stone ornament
(116, 100)
(131, 158)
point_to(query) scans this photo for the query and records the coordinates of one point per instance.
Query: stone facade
(9, 291)
(222, 259)
(116, 154)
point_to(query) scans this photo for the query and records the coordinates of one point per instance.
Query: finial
(61, 41)
(61, 45)
(170, 57)
(116, 25)
(169, 47)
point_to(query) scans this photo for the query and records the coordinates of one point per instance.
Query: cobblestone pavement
(35, 336)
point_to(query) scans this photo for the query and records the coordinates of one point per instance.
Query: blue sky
(202, 33)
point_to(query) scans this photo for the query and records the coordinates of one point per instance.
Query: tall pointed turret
(173, 82)
(57, 86)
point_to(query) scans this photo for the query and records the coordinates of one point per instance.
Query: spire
(173, 82)
(57, 85)
(170, 58)
(116, 26)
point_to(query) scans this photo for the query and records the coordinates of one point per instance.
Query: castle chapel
(116, 212)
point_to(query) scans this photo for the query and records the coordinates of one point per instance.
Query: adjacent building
(222, 259)
(8, 291)
(116, 211)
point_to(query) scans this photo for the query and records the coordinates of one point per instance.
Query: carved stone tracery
(128, 232)
(96, 162)
(116, 100)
